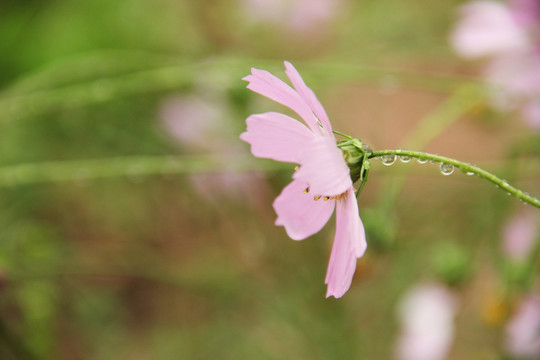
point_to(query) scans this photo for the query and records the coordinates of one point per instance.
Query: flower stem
(466, 168)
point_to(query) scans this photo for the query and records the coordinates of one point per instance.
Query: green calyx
(356, 156)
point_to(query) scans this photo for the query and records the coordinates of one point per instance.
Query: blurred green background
(135, 225)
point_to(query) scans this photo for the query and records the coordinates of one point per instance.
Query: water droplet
(367, 148)
(405, 158)
(388, 159)
(422, 161)
(447, 169)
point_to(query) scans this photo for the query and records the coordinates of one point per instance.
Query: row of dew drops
(446, 168)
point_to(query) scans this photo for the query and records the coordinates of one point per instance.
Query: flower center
(326, 198)
(319, 197)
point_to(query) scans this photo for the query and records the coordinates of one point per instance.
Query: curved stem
(466, 168)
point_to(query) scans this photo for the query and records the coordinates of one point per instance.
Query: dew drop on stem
(405, 158)
(388, 159)
(447, 169)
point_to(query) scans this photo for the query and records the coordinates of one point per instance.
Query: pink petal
(322, 166)
(299, 213)
(266, 84)
(276, 136)
(349, 244)
(308, 96)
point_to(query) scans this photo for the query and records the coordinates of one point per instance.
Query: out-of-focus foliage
(190, 266)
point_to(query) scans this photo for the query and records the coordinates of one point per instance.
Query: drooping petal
(308, 96)
(276, 136)
(349, 244)
(299, 213)
(322, 166)
(266, 84)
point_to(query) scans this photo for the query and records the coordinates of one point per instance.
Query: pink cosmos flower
(322, 181)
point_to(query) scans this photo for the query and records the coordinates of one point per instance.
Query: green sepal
(357, 160)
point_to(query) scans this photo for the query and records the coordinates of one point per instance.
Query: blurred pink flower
(526, 12)
(487, 28)
(427, 316)
(322, 181)
(297, 15)
(523, 330)
(508, 34)
(197, 124)
(213, 187)
(515, 80)
(519, 235)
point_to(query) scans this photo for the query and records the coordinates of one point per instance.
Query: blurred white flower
(427, 316)
(297, 15)
(523, 330)
(519, 235)
(509, 35)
